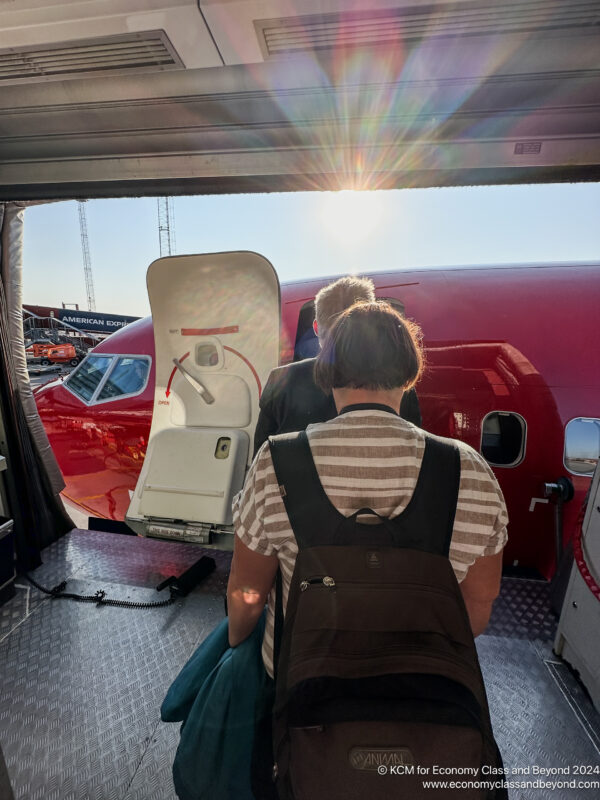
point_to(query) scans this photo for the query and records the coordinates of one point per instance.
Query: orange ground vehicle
(54, 354)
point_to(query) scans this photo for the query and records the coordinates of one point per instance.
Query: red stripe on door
(209, 331)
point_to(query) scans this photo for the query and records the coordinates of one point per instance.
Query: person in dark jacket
(291, 400)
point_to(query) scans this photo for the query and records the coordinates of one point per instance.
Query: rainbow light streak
(393, 108)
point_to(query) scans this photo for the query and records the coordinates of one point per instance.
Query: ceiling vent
(139, 52)
(392, 26)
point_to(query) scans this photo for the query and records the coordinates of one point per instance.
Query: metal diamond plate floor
(82, 685)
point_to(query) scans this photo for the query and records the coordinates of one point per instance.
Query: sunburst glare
(351, 216)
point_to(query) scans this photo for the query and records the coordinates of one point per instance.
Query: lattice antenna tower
(87, 262)
(166, 226)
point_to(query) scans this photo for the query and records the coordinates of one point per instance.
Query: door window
(582, 445)
(209, 354)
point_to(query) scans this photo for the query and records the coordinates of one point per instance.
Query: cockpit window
(127, 377)
(100, 378)
(87, 377)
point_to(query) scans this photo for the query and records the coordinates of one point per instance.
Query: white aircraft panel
(216, 329)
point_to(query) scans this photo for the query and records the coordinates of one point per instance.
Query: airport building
(84, 324)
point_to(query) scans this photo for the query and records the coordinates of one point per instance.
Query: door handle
(202, 390)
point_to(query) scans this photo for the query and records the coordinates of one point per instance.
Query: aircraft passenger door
(216, 324)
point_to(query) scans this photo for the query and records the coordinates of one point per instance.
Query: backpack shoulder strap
(306, 503)
(425, 524)
(433, 503)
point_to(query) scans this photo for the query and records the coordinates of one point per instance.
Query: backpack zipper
(320, 580)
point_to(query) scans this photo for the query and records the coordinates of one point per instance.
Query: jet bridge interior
(151, 97)
(82, 684)
(137, 98)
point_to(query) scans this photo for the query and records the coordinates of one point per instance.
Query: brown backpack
(378, 684)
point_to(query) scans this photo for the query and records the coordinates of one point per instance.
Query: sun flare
(351, 216)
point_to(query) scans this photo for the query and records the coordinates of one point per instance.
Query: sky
(307, 234)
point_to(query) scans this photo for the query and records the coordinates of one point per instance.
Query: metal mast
(166, 226)
(87, 263)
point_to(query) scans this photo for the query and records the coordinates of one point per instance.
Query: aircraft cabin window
(582, 445)
(86, 378)
(503, 436)
(128, 377)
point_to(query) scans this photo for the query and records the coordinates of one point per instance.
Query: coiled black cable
(99, 598)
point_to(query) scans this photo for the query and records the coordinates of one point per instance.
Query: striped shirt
(367, 458)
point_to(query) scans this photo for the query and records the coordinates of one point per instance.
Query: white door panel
(178, 485)
(216, 331)
(231, 406)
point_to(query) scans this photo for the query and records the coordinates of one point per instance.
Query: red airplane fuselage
(515, 340)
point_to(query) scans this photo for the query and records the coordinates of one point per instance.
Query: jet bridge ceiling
(133, 97)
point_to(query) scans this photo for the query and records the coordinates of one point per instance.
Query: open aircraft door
(216, 331)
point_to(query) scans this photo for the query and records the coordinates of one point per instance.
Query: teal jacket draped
(215, 696)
